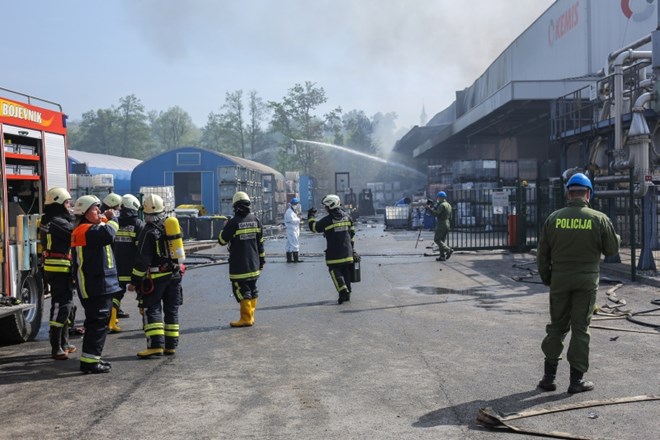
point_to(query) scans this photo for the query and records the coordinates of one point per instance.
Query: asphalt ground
(419, 349)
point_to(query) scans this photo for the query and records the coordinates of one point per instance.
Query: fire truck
(33, 158)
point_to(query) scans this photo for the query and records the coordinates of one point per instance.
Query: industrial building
(575, 90)
(209, 178)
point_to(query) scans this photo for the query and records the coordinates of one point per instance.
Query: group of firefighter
(101, 250)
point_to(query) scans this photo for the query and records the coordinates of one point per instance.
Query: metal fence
(511, 217)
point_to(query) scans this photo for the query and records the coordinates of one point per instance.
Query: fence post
(633, 247)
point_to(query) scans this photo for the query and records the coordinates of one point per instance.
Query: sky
(372, 55)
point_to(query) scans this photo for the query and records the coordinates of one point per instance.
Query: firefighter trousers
(245, 289)
(97, 315)
(61, 298)
(164, 300)
(341, 277)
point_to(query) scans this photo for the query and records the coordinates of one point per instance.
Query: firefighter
(292, 224)
(56, 228)
(338, 229)
(243, 236)
(95, 272)
(442, 213)
(568, 260)
(111, 207)
(156, 277)
(125, 247)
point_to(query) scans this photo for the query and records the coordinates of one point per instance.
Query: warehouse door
(188, 188)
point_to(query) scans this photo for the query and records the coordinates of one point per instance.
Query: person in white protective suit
(292, 223)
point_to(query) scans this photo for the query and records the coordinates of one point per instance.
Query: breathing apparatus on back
(154, 210)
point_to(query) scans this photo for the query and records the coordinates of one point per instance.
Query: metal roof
(105, 161)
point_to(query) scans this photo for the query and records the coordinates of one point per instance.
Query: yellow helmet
(84, 203)
(240, 197)
(57, 195)
(153, 204)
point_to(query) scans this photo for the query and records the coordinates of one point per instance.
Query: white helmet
(153, 204)
(331, 201)
(240, 197)
(84, 203)
(129, 201)
(112, 200)
(57, 195)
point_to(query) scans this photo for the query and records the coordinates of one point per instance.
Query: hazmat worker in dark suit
(569, 251)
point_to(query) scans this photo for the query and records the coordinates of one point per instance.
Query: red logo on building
(564, 23)
(640, 13)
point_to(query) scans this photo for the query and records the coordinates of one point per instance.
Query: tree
(358, 132)
(133, 132)
(256, 114)
(173, 128)
(97, 132)
(294, 117)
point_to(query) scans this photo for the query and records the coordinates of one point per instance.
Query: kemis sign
(563, 24)
(29, 116)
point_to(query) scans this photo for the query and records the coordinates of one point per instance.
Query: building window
(188, 159)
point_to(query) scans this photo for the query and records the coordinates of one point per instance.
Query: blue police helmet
(579, 181)
(441, 194)
(295, 201)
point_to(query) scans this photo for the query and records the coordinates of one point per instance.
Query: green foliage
(295, 118)
(173, 128)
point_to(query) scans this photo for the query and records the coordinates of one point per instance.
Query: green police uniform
(569, 252)
(442, 213)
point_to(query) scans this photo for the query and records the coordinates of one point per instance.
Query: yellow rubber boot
(253, 304)
(150, 352)
(246, 313)
(113, 324)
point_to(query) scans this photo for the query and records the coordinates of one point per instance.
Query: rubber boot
(113, 324)
(66, 346)
(253, 307)
(296, 259)
(169, 351)
(150, 352)
(122, 315)
(57, 352)
(246, 313)
(549, 373)
(289, 257)
(578, 384)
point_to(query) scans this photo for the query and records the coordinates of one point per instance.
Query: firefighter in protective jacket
(243, 236)
(56, 228)
(338, 229)
(125, 248)
(157, 278)
(95, 274)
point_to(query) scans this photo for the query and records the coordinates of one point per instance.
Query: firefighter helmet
(153, 204)
(295, 201)
(112, 200)
(441, 194)
(84, 203)
(331, 201)
(240, 198)
(579, 181)
(57, 195)
(129, 201)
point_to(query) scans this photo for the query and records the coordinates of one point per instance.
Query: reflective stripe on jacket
(94, 265)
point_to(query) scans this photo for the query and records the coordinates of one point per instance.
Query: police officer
(292, 224)
(243, 234)
(125, 248)
(157, 278)
(569, 250)
(338, 229)
(442, 212)
(56, 228)
(95, 272)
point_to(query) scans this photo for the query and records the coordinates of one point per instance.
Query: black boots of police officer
(578, 384)
(549, 374)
